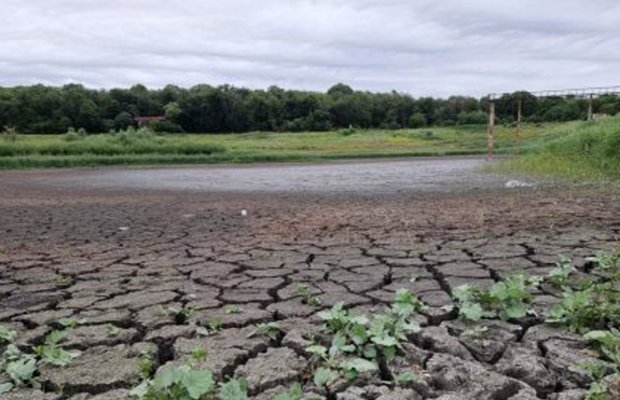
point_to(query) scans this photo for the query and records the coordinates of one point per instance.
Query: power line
(583, 92)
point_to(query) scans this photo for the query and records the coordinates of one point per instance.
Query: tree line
(222, 109)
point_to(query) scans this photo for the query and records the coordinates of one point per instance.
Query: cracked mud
(117, 256)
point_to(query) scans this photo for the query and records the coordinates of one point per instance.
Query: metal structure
(585, 93)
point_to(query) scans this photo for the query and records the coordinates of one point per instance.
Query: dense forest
(204, 108)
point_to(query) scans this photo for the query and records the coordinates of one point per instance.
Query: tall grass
(143, 147)
(591, 150)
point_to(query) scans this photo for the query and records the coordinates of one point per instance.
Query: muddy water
(370, 177)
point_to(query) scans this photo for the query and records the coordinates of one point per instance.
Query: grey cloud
(422, 47)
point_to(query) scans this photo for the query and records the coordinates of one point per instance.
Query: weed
(607, 343)
(179, 383)
(294, 393)
(307, 296)
(559, 275)
(234, 389)
(113, 330)
(21, 368)
(214, 324)
(7, 335)
(232, 309)
(146, 363)
(366, 344)
(199, 354)
(405, 378)
(181, 315)
(62, 279)
(270, 330)
(508, 299)
(71, 322)
(324, 377)
(51, 353)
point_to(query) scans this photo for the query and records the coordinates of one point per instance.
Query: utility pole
(518, 131)
(491, 130)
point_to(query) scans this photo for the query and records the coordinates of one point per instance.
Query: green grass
(590, 151)
(40, 151)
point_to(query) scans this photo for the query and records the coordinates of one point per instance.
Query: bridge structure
(584, 93)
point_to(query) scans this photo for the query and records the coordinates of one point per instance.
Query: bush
(417, 120)
(73, 135)
(10, 133)
(348, 131)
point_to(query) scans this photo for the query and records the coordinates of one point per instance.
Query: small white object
(516, 184)
(244, 212)
(123, 228)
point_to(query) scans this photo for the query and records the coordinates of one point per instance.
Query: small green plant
(181, 315)
(51, 353)
(113, 330)
(294, 393)
(62, 279)
(233, 389)
(405, 378)
(232, 309)
(214, 324)
(605, 261)
(354, 367)
(559, 275)
(600, 387)
(607, 343)
(270, 330)
(199, 354)
(179, 383)
(590, 308)
(325, 376)
(7, 335)
(71, 322)
(19, 367)
(366, 344)
(508, 299)
(146, 363)
(308, 297)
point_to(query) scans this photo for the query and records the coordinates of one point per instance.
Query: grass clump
(590, 150)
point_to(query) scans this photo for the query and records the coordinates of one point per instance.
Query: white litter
(123, 228)
(517, 184)
(244, 212)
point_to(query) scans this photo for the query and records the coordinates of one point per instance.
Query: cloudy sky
(437, 47)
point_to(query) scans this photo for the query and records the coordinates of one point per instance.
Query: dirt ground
(125, 256)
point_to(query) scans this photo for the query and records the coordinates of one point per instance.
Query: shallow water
(372, 177)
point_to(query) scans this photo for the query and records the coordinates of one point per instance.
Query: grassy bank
(590, 151)
(38, 151)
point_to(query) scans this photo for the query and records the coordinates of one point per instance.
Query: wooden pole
(590, 114)
(518, 131)
(491, 129)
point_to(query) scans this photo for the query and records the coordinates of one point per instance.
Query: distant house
(141, 121)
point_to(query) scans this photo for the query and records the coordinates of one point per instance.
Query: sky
(425, 48)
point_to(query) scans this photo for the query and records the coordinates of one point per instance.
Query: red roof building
(145, 120)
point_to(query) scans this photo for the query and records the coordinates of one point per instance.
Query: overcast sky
(437, 47)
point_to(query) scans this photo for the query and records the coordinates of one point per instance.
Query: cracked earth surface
(117, 257)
